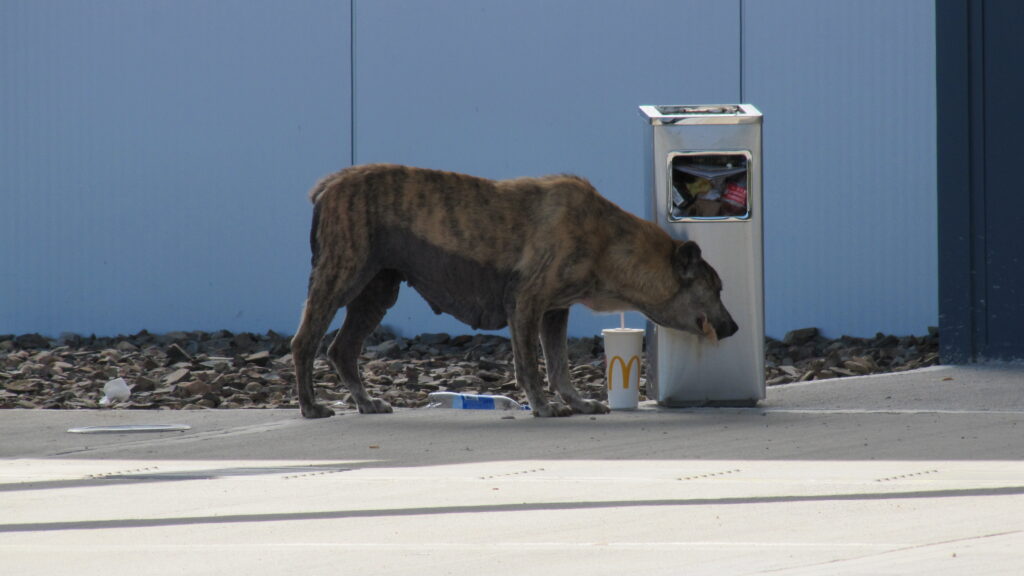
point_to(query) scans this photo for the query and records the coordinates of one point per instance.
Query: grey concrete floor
(921, 472)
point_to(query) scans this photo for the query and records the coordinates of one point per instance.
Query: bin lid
(701, 114)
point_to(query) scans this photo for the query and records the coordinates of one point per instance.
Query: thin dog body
(514, 253)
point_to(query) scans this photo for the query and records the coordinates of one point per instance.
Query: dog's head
(696, 306)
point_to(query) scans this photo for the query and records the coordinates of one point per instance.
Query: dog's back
(463, 242)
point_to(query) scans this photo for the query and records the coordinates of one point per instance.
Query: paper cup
(623, 349)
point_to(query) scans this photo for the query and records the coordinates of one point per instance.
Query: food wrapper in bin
(702, 188)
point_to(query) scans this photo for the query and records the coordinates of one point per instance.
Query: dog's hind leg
(363, 314)
(316, 318)
(327, 293)
(553, 331)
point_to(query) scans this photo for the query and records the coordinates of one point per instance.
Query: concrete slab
(907, 474)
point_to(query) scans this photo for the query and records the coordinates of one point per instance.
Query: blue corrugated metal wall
(154, 155)
(505, 89)
(848, 92)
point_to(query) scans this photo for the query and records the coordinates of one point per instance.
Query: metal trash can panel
(714, 154)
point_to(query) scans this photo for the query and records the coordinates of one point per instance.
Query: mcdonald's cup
(623, 349)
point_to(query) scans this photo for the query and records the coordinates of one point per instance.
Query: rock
(433, 339)
(31, 341)
(489, 376)
(387, 349)
(461, 382)
(486, 364)
(176, 376)
(791, 371)
(259, 358)
(202, 370)
(193, 388)
(126, 346)
(857, 366)
(800, 336)
(243, 341)
(581, 347)
(886, 341)
(209, 401)
(143, 384)
(380, 334)
(148, 363)
(412, 376)
(175, 354)
(23, 385)
(44, 357)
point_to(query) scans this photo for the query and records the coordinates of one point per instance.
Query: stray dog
(514, 253)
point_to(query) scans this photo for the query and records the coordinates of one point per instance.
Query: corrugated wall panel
(154, 154)
(504, 89)
(848, 92)
(154, 159)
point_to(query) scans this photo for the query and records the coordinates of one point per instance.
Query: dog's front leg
(553, 332)
(524, 325)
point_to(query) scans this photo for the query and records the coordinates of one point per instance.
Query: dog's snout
(730, 328)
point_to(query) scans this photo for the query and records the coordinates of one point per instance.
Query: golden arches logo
(625, 370)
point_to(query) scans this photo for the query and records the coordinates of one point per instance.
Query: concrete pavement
(916, 473)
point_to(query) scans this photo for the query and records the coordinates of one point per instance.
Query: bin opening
(693, 110)
(709, 185)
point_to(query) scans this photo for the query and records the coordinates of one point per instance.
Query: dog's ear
(686, 260)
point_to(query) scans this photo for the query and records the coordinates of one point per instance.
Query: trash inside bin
(709, 186)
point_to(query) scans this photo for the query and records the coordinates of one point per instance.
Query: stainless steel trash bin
(703, 183)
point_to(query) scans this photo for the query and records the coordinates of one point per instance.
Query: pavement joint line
(893, 411)
(481, 546)
(521, 507)
(837, 563)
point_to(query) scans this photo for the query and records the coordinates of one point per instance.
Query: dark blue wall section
(980, 122)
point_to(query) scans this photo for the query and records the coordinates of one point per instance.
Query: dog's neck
(635, 274)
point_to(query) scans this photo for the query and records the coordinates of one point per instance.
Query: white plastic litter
(472, 401)
(115, 390)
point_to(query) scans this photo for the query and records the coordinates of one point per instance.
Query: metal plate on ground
(129, 428)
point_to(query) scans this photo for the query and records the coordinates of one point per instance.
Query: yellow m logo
(625, 370)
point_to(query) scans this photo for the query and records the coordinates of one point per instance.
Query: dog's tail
(314, 243)
(314, 196)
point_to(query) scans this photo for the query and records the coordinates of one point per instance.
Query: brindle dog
(491, 253)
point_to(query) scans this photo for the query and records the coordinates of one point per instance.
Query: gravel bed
(218, 370)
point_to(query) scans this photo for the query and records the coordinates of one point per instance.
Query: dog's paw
(590, 407)
(375, 406)
(316, 411)
(556, 409)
